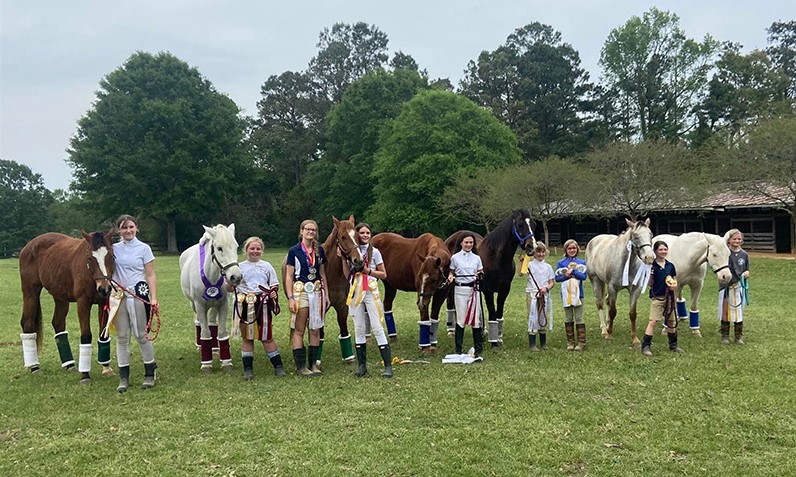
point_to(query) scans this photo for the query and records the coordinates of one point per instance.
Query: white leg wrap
(84, 361)
(29, 352)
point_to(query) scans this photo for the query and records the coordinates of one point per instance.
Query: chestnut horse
(341, 239)
(419, 265)
(71, 270)
(497, 255)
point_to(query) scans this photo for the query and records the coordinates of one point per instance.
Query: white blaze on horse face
(423, 279)
(533, 239)
(99, 255)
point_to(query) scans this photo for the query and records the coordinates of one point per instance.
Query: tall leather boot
(386, 356)
(300, 357)
(478, 341)
(532, 342)
(149, 375)
(542, 340)
(673, 343)
(570, 329)
(581, 329)
(725, 332)
(458, 339)
(362, 355)
(124, 379)
(739, 332)
(248, 365)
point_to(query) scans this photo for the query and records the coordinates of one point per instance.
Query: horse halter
(88, 266)
(717, 270)
(442, 284)
(522, 239)
(215, 260)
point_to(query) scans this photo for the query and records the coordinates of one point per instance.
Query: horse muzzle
(104, 288)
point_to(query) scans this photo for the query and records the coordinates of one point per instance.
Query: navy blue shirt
(299, 260)
(658, 284)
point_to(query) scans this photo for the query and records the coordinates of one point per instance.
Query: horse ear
(86, 236)
(109, 235)
(629, 223)
(351, 218)
(335, 221)
(231, 228)
(647, 222)
(209, 230)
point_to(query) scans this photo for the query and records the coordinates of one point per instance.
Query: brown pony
(414, 264)
(72, 270)
(497, 255)
(340, 239)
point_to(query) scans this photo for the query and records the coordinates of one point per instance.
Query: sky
(54, 53)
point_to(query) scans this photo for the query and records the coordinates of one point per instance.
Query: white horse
(203, 270)
(691, 253)
(619, 262)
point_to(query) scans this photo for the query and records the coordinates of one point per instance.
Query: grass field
(714, 410)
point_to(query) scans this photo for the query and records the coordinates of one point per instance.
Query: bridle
(216, 261)
(100, 277)
(442, 284)
(522, 239)
(716, 270)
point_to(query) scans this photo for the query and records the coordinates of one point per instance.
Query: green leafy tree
(535, 85)
(341, 178)
(655, 75)
(744, 89)
(70, 214)
(161, 142)
(436, 135)
(782, 50)
(24, 203)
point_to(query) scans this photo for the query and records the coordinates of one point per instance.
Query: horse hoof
(450, 334)
(207, 368)
(35, 369)
(393, 339)
(107, 371)
(696, 333)
(227, 368)
(85, 381)
(636, 343)
(70, 367)
(427, 351)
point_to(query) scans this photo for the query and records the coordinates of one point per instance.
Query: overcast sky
(53, 53)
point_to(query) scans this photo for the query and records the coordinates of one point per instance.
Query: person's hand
(746, 274)
(273, 294)
(293, 304)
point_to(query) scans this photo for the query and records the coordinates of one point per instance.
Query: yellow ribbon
(526, 260)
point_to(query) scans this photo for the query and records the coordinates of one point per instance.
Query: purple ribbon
(212, 292)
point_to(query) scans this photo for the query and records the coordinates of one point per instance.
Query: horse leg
(609, 331)
(31, 325)
(205, 339)
(599, 298)
(450, 311)
(632, 314)
(389, 319)
(224, 353)
(436, 305)
(84, 356)
(61, 335)
(693, 315)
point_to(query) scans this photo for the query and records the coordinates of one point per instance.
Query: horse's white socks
(29, 352)
(84, 360)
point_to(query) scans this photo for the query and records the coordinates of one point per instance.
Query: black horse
(497, 251)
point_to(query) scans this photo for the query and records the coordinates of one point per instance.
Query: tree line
(361, 132)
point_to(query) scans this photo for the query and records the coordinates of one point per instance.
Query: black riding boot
(386, 356)
(478, 341)
(673, 343)
(248, 367)
(739, 332)
(725, 332)
(542, 340)
(312, 360)
(362, 356)
(149, 375)
(124, 379)
(532, 342)
(458, 339)
(646, 345)
(300, 357)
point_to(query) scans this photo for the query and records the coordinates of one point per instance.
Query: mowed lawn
(714, 410)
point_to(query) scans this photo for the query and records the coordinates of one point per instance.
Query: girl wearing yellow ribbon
(364, 295)
(571, 272)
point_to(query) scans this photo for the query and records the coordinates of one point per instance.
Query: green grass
(714, 410)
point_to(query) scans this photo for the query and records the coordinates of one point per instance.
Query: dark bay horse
(71, 270)
(616, 262)
(419, 265)
(340, 239)
(497, 251)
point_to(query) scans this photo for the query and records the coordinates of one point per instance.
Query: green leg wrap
(104, 352)
(64, 351)
(320, 351)
(346, 350)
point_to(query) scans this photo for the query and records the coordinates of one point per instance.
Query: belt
(471, 284)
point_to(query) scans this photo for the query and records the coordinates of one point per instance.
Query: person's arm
(380, 272)
(290, 270)
(151, 280)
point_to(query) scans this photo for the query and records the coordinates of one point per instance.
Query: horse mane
(497, 236)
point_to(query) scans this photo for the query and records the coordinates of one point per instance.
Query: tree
(535, 85)
(744, 89)
(470, 198)
(341, 178)
(549, 189)
(782, 50)
(436, 135)
(160, 141)
(636, 179)
(655, 75)
(24, 203)
(347, 53)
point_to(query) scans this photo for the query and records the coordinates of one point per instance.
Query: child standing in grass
(662, 305)
(571, 272)
(731, 296)
(541, 280)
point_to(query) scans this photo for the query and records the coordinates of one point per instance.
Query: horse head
(523, 225)
(718, 256)
(345, 235)
(224, 251)
(432, 275)
(641, 239)
(100, 260)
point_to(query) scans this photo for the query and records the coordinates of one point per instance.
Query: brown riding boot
(739, 333)
(570, 328)
(725, 332)
(581, 329)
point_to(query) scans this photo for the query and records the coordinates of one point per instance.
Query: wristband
(292, 297)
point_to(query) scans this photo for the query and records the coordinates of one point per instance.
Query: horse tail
(38, 322)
